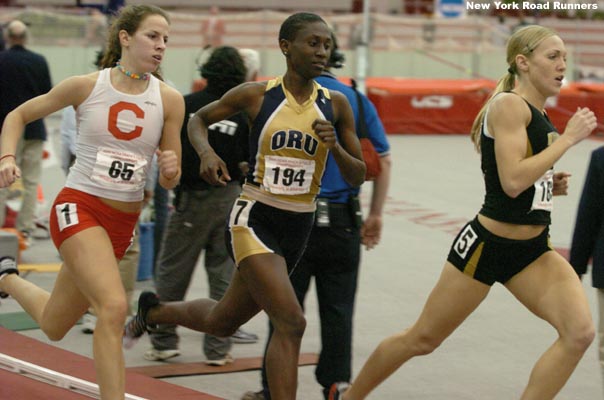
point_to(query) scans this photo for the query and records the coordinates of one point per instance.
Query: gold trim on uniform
(470, 268)
(244, 238)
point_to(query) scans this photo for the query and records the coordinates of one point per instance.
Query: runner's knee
(426, 343)
(113, 312)
(53, 331)
(579, 338)
(293, 324)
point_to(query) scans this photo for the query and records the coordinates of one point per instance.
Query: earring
(285, 53)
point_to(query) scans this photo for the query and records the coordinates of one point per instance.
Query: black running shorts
(489, 258)
(257, 228)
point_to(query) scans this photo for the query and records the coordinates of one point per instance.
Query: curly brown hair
(129, 20)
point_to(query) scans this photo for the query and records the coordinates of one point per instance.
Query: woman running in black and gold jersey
(293, 127)
(508, 241)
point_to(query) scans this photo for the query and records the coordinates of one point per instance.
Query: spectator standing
(213, 28)
(96, 30)
(113, 7)
(23, 76)
(501, 32)
(588, 238)
(2, 43)
(522, 22)
(251, 59)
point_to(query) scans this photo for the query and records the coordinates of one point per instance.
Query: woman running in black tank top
(508, 241)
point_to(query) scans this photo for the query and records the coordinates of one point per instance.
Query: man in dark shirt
(23, 75)
(2, 44)
(200, 210)
(588, 238)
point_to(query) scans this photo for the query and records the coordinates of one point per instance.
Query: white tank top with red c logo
(118, 134)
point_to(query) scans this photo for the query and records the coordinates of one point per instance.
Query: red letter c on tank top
(114, 111)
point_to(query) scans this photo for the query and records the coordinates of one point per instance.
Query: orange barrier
(425, 106)
(561, 108)
(449, 106)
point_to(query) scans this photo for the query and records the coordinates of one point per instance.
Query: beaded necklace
(133, 75)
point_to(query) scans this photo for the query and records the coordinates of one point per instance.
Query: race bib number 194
(288, 175)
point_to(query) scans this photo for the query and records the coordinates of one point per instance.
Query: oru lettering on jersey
(293, 139)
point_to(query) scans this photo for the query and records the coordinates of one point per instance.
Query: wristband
(7, 155)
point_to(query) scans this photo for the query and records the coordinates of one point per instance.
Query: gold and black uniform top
(287, 158)
(534, 205)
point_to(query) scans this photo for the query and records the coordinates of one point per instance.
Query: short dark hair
(223, 70)
(295, 22)
(337, 58)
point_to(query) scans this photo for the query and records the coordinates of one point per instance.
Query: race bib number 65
(119, 170)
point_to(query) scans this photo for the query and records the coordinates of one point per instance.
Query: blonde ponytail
(505, 84)
(523, 41)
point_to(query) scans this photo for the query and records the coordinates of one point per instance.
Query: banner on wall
(450, 8)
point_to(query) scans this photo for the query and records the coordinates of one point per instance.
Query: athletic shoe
(160, 355)
(7, 266)
(219, 362)
(242, 336)
(26, 239)
(88, 323)
(253, 395)
(337, 390)
(42, 229)
(137, 326)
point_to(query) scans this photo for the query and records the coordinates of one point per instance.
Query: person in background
(588, 238)
(251, 59)
(508, 241)
(200, 212)
(333, 253)
(2, 43)
(161, 213)
(96, 28)
(126, 115)
(23, 76)
(521, 23)
(69, 133)
(113, 7)
(501, 32)
(293, 129)
(213, 28)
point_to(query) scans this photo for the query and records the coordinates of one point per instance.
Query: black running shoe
(137, 326)
(7, 266)
(337, 390)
